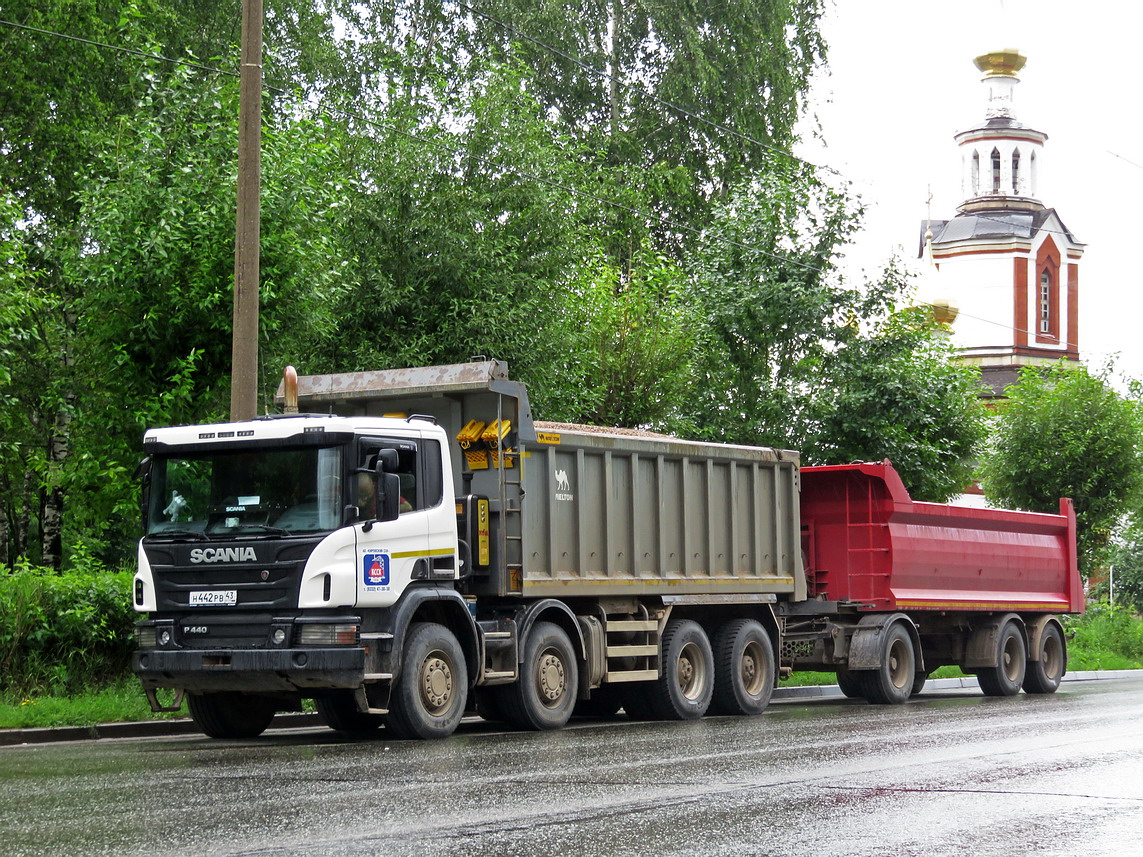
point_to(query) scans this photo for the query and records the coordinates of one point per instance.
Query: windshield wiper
(266, 528)
(179, 534)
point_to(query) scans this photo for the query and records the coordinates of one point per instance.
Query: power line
(119, 48)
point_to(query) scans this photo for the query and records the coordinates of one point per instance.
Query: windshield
(246, 492)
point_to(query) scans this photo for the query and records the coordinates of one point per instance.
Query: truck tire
(892, 682)
(338, 710)
(743, 668)
(544, 695)
(230, 714)
(1044, 675)
(849, 683)
(684, 689)
(1007, 676)
(919, 680)
(429, 695)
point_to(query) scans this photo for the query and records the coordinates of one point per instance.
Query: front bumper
(251, 669)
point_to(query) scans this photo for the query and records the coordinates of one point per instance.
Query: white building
(1007, 262)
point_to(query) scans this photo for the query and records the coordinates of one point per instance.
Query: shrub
(63, 632)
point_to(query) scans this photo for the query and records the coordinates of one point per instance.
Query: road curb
(186, 726)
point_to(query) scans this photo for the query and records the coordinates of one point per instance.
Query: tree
(791, 357)
(897, 393)
(1065, 432)
(1124, 583)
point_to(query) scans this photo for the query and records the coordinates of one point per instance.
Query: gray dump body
(587, 512)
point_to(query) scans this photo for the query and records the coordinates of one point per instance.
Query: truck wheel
(743, 668)
(849, 683)
(892, 682)
(338, 710)
(430, 693)
(1005, 678)
(544, 696)
(685, 688)
(919, 680)
(230, 714)
(1044, 675)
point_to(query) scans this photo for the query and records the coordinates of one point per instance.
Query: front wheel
(544, 696)
(338, 710)
(231, 715)
(1044, 674)
(1006, 677)
(430, 694)
(685, 688)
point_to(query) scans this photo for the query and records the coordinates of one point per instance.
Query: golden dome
(1003, 63)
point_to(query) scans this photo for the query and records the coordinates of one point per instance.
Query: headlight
(327, 635)
(145, 637)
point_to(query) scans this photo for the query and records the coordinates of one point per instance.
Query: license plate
(214, 598)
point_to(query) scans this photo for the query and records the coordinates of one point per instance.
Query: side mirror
(387, 461)
(143, 477)
(388, 496)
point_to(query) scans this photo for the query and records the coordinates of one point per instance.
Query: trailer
(415, 545)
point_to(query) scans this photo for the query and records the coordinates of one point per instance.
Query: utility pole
(244, 353)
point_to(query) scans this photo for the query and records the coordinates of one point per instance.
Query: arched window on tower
(996, 171)
(976, 173)
(1047, 327)
(1032, 188)
(1016, 172)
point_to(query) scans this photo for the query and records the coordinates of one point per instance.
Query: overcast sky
(902, 83)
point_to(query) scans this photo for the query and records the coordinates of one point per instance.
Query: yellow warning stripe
(983, 605)
(434, 552)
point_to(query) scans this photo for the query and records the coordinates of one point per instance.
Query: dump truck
(407, 546)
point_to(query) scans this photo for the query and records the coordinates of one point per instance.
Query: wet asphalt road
(950, 773)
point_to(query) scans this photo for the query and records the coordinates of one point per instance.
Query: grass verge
(121, 702)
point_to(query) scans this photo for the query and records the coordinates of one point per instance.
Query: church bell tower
(1006, 260)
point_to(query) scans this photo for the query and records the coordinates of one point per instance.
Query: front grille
(269, 583)
(200, 631)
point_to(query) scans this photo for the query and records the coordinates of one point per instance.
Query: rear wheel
(545, 694)
(685, 688)
(892, 682)
(1044, 674)
(849, 682)
(338, 710)
(430, 693)
(231, 715)
(743, 668)
(1005, 678)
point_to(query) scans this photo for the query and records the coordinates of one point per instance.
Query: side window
(407, 459)
(432, 479)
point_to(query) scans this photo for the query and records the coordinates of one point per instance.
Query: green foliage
(1122, 579)
(1065, 432)
(790, 357)
(64, 632)
(896, 393)
(1104, 638)
(121, 701)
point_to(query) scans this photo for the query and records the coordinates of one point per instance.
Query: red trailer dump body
(868, 542)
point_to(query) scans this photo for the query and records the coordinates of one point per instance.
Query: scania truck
(405, 546)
